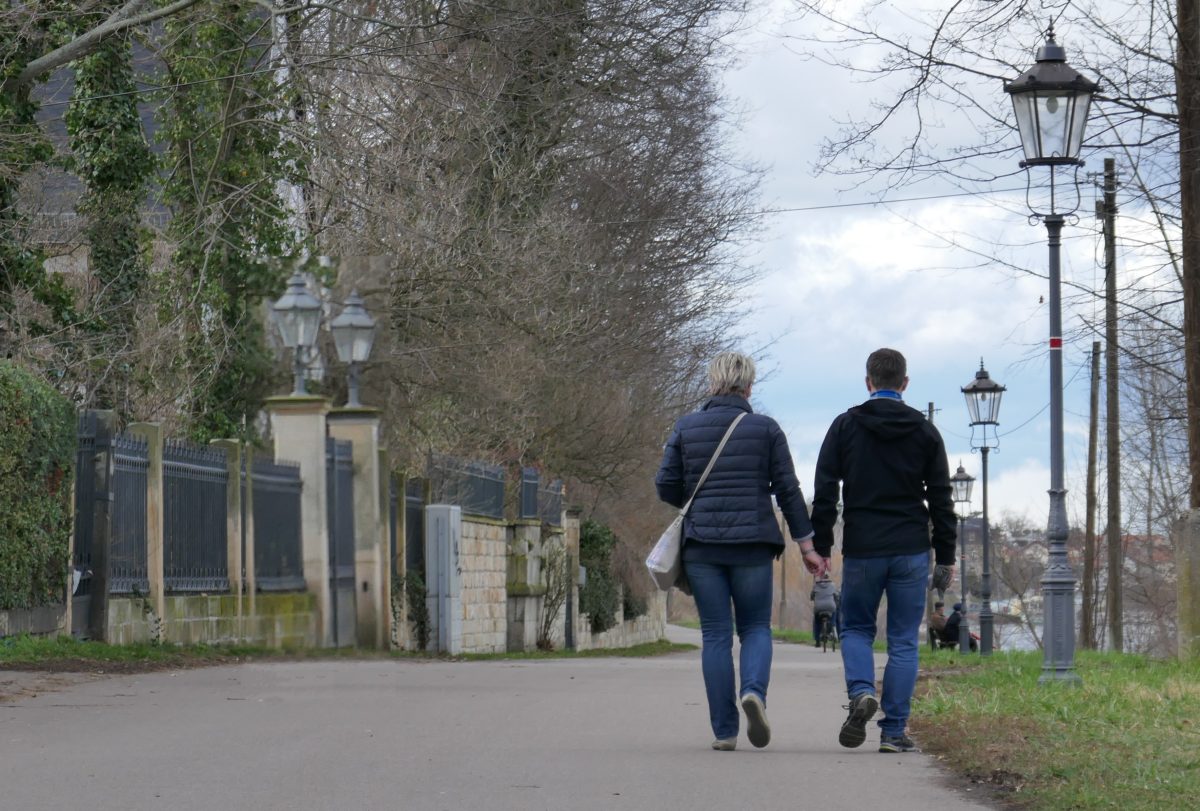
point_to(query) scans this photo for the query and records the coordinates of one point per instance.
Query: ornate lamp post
(983, 404)
(1051, 102)
(353, 335)
(298, 316)
(963, 483)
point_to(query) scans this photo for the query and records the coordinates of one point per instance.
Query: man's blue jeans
(903, 578)
(717, 587)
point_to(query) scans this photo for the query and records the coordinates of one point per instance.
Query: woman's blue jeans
(718, 588)
(903, 578)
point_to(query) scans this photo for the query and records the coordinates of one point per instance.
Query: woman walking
(731, 537)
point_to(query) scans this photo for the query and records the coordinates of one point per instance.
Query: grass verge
(65, 654)
(1128, 737)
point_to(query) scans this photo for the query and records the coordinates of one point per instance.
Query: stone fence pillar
(361, 427)
(152, 432)
(299, 430)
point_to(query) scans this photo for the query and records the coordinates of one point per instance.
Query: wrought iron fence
(541, 501)
(475, 487)
(278, 557)
(414, 525)
(195, 551)
(339, 488)
(550, 502)
(127, 550)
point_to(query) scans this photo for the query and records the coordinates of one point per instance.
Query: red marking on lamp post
(1056, 343)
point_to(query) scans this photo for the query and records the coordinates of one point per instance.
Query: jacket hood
(886, 418)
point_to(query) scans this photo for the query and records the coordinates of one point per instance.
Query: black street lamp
(983, 404)
(963, 483)
(298, 316)
(1051, 102)
(353, 335)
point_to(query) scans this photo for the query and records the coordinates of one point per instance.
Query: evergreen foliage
(227, 160)
(37, 449)
(111, 157)
(600, 595)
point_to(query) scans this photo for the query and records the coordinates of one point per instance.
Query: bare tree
(546, 181)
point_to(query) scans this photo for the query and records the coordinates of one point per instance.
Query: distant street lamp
(1051, 102)
(963, 483)
(353, 335)
(298, 316)
(983, 403)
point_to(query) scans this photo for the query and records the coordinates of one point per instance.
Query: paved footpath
(603, 733)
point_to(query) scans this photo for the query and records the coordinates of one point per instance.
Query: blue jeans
(748, 588)
(903, 578)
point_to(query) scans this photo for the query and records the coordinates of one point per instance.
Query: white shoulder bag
(665, 561)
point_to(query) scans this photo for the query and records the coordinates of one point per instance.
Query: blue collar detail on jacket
(728, 401)
(888, 393)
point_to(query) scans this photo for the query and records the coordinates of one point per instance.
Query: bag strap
(711, 462)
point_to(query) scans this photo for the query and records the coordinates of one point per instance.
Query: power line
(822, 206)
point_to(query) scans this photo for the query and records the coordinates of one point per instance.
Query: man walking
(891, 464)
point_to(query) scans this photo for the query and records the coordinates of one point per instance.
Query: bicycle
(825, 606)
(828, 636)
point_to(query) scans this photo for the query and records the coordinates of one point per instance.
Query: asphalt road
(565, 734)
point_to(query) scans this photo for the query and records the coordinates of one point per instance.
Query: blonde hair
(730, 373)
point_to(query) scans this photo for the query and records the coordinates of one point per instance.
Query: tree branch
(123, 18)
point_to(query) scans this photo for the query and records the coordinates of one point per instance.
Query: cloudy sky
(842, 279)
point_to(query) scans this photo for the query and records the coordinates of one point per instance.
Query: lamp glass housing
(1051, 102)
(353, 331)
(983, 397)
(1051, 122)
(297, 314)
(963, 483)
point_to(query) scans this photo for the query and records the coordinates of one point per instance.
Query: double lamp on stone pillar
(963, 483)
(983, 404)
(1051, 102)
(300, 424)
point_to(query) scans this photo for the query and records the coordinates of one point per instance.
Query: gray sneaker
(862, 709)
(725, 744)
(896, 743)
(757, 728)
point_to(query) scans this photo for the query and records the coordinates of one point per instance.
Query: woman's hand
(817, 566)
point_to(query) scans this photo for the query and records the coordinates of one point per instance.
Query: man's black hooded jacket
(891, 463)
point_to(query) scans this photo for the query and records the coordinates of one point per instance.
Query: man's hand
(817, 566)
(943, 576)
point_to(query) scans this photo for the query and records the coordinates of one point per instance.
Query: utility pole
(1087, 628)
(1112, 402)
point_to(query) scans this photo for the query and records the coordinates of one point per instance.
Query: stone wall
(650, 627)
(287, 620)
(483, 561)
(47, 620)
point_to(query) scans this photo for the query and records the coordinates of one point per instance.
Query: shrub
(634, 604)
(599, 597)
(411, 589)
(37, 448)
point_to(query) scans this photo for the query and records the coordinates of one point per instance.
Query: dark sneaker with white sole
(854, 731)
(896, 743)
(757, 728)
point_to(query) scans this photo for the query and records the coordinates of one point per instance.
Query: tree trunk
(1187, 89)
